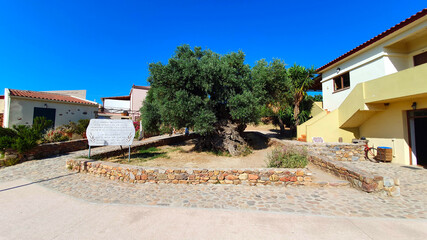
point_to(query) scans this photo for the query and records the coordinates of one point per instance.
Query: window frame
(341, 79)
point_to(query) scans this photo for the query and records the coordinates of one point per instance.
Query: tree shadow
(40, 181)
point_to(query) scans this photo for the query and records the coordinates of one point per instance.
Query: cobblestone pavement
(330, 201)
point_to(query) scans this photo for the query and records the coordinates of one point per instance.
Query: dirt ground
(183, 155)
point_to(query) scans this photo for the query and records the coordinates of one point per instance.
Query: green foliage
(68, 128)
(82, 125)
(26, 138)
(40, 125)
(285, 91)
(317, 98)
(9, 162)
(199, 88)
(23, 138)
(287, 158)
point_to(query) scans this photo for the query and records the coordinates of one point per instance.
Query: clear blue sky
(105, 46)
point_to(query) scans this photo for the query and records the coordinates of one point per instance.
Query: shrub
(69, 128)
(287, 158)
(26, 138)
(55, 135)
(82, 126)
(40, 125)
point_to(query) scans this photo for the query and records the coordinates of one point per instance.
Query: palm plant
(300, 79)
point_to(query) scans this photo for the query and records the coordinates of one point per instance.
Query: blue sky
(105, 46)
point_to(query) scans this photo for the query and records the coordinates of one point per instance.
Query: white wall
(119, 105)
(363, 68)
(22, 111)
(371, 63)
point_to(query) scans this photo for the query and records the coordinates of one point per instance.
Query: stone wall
(51, 149)
(48, 150)
(358, 178)
(136, 174)
(335, 151)
(335, 157)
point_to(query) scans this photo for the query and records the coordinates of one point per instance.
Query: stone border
(137, 174)
(49, 149)
(332, 158)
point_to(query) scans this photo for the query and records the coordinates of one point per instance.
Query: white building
(22, 106)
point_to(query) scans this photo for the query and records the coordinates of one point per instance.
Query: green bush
(27, 138)
(41, 125)
(82, 126)
(287, 158)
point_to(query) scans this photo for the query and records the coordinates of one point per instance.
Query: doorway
(417, 120)
(48, 113)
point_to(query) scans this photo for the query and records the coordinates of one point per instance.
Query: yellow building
(378, 91)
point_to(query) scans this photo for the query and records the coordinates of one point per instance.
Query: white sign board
(102, 132)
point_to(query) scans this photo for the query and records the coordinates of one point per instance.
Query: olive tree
(211, 93)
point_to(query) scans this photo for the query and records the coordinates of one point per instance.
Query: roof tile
(49, 96)
(393, 29)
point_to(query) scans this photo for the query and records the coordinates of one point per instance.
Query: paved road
(30, 211)
(43, 196)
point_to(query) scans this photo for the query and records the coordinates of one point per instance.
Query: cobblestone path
(330, 201)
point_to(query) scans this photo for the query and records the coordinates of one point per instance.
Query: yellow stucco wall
(316, 109)
(325, 125)
(389, 128)
(377, 110)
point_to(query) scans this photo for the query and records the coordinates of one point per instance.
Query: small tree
(211, 93)
(274, 79)
(300, 80)
(285, 91)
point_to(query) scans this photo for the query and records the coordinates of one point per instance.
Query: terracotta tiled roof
(393, 29)
(49, 96)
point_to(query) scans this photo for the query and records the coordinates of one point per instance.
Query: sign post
(110, 132)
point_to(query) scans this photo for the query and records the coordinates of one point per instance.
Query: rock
(274, 178)
(388, 182)
(170, 177)
(253, 177)
(231, 177)
(162, 176)
(243, 176)
(397, 182)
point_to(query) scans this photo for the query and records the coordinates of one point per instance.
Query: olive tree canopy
(211, 93)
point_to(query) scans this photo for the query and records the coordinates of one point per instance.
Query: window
(342, 82)
(420, 59)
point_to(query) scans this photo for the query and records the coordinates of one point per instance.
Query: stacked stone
(136, 174)
(358, 178)
(49, 149)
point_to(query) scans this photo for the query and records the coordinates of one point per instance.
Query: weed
(287, 157)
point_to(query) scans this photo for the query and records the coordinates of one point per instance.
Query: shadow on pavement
(45, 180)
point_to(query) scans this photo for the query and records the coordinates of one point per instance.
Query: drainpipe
(6, 114)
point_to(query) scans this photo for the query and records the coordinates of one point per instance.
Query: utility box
(385, 154)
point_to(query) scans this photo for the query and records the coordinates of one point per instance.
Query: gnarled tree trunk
(226, 138)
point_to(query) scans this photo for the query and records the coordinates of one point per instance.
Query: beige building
(378, 91)
(21, 107)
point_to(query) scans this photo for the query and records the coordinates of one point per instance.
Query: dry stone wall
(335, 157)
(135, 174)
